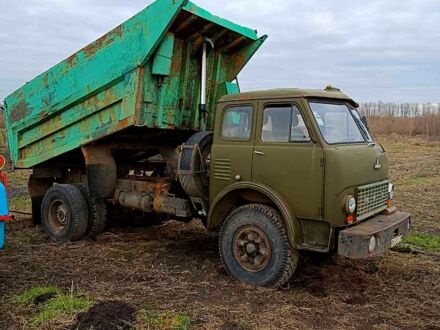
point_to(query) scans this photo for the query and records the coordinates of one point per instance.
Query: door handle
(258, 152)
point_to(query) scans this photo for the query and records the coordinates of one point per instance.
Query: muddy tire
(64, 213)
(254, 246)
(195, 183)
(97, 212)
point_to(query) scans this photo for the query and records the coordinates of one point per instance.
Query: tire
(64, 213)
(277, 261)
(195, 184)
(97, 213)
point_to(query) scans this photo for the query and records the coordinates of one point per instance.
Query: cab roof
(327, 93)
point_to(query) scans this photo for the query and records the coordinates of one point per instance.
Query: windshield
(339, 123)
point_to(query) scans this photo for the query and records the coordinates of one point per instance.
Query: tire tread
(97, 213)
(291, 260)
(79, 211)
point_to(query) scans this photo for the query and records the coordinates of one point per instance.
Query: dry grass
(427, 126)
(173, 276)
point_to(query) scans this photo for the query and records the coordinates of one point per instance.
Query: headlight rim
(390, 190)
(350, 204)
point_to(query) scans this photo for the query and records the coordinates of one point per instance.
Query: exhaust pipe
(202, 105)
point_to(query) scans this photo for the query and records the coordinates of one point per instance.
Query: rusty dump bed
(144, 73)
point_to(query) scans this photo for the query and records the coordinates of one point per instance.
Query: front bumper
(388, 230)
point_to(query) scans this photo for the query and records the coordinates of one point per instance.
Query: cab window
(337, 123)
(237, 123)
(284, 123)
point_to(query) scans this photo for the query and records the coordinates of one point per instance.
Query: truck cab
(304, 157)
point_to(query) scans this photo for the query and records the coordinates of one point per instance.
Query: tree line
(407, 110)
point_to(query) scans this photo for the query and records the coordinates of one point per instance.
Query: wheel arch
(252, 192)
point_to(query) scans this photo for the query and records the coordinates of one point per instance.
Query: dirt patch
(232, 326)
(356, 299)
(42, 298)
(107, 315)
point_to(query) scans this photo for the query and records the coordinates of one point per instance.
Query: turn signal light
(349, 219)
(390, 203)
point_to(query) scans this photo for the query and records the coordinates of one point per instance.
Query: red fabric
(5, 218)
(4, 179)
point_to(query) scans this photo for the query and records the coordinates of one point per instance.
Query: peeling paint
(19, 111)
(110, 84)
(103, 42)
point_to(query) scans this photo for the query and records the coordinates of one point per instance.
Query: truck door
(232, 151)
(286, 159)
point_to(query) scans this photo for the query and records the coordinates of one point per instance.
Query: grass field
(170, 277)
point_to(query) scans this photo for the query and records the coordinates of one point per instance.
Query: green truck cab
(148, 120)
(303, 159)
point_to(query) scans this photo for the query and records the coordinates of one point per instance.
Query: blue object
(4, 212)
(2, 235)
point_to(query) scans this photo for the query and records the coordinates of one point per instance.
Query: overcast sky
(373, 50)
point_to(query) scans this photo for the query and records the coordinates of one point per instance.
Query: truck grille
(371, 199)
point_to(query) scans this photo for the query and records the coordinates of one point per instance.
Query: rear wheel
(254, 246)
(97, 213)
(64, 213)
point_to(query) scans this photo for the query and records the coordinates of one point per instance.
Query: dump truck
(149, 118)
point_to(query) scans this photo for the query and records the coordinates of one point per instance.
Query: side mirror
(364, 120)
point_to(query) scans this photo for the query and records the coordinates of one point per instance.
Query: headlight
(391, 190)
(350, 204)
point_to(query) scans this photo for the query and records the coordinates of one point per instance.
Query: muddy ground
(170, 277)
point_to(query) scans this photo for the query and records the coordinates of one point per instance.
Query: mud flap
(101, 170)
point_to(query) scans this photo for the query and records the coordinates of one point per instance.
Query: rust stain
(46, 81)
(160, 188)
(43, 114)
(71, 60)
(102, 42)
(124, 123)
(48, 100)
(19, 111)
(240, 59)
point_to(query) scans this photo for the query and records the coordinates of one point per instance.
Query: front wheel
(254, 246)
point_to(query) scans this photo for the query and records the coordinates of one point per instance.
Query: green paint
(140, 73)
(248, 33)
(164, 55)
(232, 88)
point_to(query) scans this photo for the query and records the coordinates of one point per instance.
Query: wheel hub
(61, 214)
(252, 248)
(58, 215)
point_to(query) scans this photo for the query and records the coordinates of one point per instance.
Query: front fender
(223, 202)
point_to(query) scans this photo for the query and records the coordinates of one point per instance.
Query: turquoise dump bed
(145, 72)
